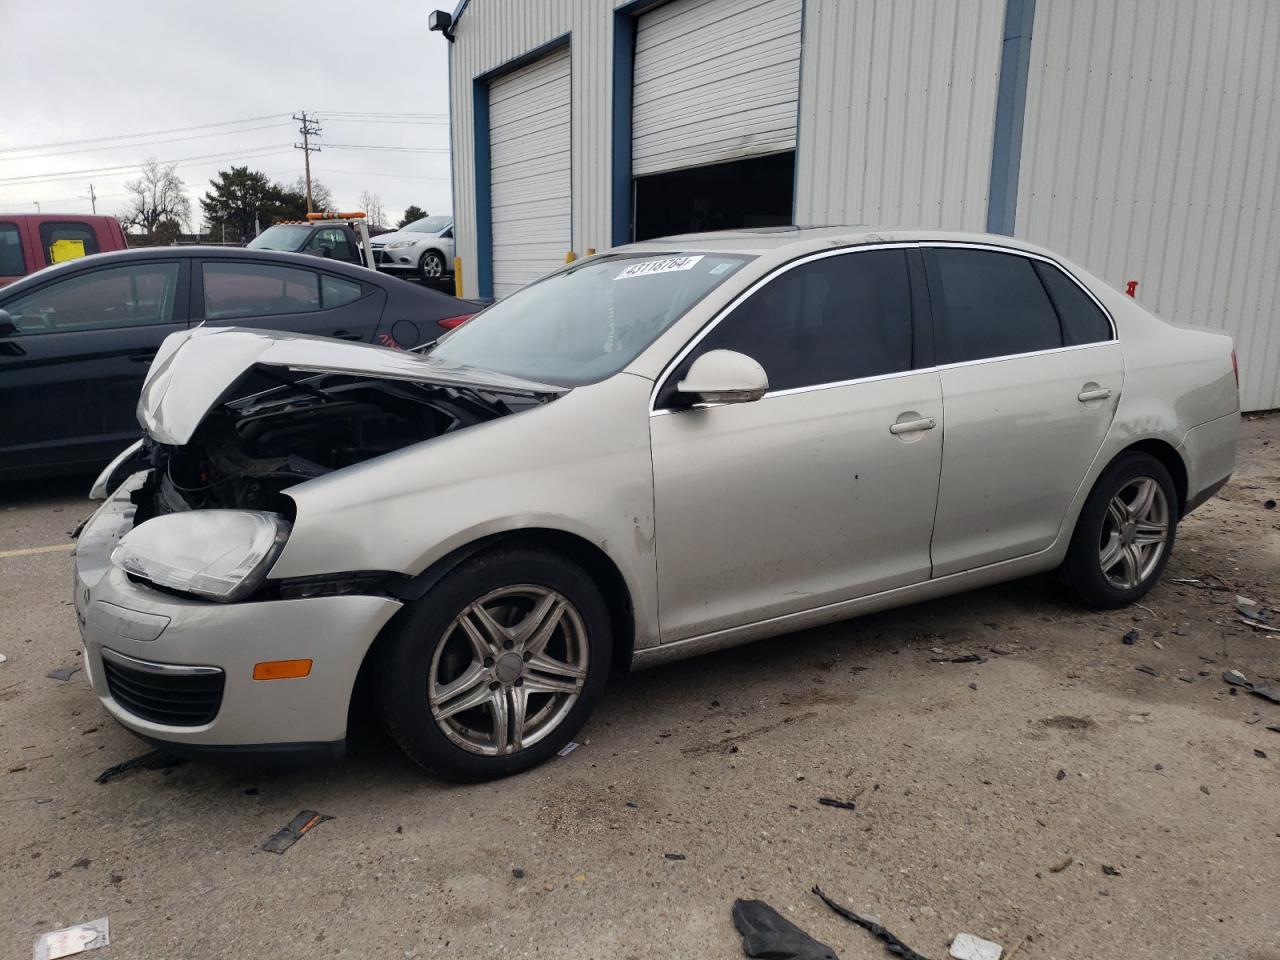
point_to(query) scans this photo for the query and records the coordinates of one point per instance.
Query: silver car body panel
(194, 369)
(726, 523)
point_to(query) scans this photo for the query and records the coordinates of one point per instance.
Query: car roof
(760, 240)
(202, 252)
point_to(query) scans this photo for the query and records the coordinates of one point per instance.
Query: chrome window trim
(168, 669)
(858, 248)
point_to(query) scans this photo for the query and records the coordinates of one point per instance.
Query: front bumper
(145, 632)
(406, 258)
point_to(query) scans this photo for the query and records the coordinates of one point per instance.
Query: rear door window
(1082, 320)
(335, 291)
(67, 240)
(12, 263)
(131, 296)
(258, 290)
(988, 304)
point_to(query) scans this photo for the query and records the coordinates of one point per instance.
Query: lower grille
(171, 695)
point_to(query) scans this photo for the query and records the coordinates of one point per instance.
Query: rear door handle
(347, 335)
(1099, 393)
(912, 426)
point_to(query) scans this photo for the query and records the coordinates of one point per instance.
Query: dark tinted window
(258, 290)
(335, 291)
(1082, 321)
(834, 319)
(67, 240)
(992, 305)
(120, 297)
(11, 262)
(333, 242)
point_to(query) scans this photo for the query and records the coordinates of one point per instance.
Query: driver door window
(120, 297)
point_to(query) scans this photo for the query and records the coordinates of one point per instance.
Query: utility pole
(37, 203)
(310, 128)
(92, 198)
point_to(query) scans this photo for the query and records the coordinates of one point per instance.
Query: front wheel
(431, 266)
(1124, 534)
(498, 666)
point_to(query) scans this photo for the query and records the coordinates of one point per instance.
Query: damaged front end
(313, 406)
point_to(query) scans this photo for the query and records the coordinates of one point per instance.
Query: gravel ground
(1053, 797)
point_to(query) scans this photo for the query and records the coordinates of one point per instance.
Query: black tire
(409, 657)
(432, 267)
(1082, 571)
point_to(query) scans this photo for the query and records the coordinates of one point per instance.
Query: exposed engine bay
(246, 451)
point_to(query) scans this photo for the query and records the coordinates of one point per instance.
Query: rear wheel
(431, 266)
(1124, 534)
(498, 666)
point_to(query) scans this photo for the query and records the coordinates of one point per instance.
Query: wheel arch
(1169, 458)
(594, 562)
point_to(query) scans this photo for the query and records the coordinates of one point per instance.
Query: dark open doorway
(756, 192)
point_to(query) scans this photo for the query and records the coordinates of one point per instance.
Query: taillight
(1235, 367)
(448, 323)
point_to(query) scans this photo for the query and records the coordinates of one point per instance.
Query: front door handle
(1096, 393)
(912, 426)
(347, 335)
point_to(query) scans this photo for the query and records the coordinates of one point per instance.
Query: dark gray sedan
(76, 339)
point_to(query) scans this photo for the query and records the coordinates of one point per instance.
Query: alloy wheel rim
(432, 266)
(1135, 533)
(508, 670)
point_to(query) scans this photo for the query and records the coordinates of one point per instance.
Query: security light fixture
(441, 21)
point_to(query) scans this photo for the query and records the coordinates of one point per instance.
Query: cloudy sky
(92, 89)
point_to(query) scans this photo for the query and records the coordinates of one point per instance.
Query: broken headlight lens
(221, 555)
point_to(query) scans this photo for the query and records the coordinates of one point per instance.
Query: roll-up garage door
(529, 152)
(714, 80)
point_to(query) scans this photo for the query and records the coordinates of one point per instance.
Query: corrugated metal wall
(897, 111)
(492, 32)
(1151, 152)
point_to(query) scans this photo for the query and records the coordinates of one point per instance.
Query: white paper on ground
(72, 940)
(968, 947)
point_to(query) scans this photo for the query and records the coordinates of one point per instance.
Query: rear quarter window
(12, 263)
(1082, 321)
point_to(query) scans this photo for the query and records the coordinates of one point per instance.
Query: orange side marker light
(281, 669)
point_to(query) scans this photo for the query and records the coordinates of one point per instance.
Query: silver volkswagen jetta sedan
(671, 448)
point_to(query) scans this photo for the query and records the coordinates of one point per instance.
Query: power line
(135, 136)
(366, 146)
(270, 150)
(371, 173)
(132, 146)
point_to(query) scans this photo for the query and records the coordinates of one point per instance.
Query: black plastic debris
(965, 658)
(1269, 504)
(1109, 870)
(1260, 754)
(1062, 774)
(154, 760)
(1149, 671)
(768, 934)
(288, 835)
(838, 804)
(674, 856)
(1274, 728)
(1130, 638)
(1238, 679)
(62, 673)
(891, 943)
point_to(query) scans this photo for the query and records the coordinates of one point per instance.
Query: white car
(674, 447)
(424, 247)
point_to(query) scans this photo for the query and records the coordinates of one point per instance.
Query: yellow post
(570, 257)
(591, 251)
(457, 277)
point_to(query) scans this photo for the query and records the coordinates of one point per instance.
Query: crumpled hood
(195, 369)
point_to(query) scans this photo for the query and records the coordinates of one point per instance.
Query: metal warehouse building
(1140, 138)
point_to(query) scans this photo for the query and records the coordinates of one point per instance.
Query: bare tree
(321, 196)
(158, 196)
(371, 204)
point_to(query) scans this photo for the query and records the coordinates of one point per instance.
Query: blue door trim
(624, 63)
(1011, 105)
(484, 161)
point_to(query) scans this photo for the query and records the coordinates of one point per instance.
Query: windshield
(428, 225)
(589, 320)
(283, 236)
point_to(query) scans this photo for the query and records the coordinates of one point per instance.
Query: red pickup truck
(31, 242)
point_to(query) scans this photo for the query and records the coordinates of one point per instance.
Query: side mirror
(7, 327)
(725, 376)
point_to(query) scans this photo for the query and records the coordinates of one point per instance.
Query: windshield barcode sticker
(650, 267)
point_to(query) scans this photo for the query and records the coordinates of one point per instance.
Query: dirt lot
(974, 784)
